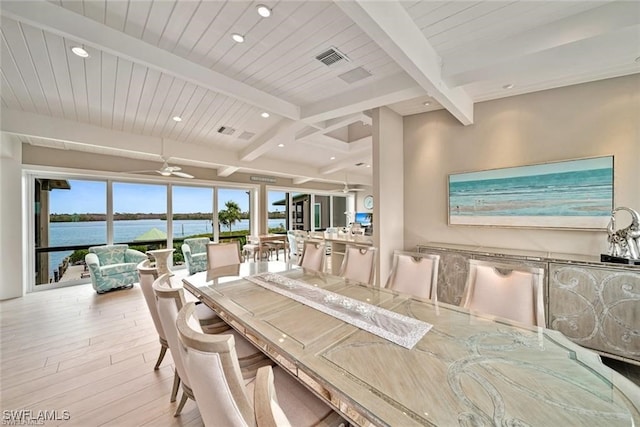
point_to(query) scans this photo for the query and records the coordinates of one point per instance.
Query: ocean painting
(568, 194)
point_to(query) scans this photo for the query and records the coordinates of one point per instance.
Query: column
(388, 188)
(11, 241)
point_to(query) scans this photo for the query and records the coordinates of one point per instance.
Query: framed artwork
(574, 194)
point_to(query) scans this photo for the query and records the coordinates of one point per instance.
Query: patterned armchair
(195, 254)
(113, 266)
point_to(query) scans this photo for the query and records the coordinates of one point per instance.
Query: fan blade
(182, 175)
(173, 168)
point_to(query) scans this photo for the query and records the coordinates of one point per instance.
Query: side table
(162, 260)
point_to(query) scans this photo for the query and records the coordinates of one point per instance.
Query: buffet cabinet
(595, 304)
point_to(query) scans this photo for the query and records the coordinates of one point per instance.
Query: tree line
(75, 217)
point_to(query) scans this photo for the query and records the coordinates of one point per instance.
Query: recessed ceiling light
(333, 157)
(368, 166)
(263, 11)
(265, 115)
(508, 86)
(177, 118)
(426, 104)
(280, 145)
(80, 52)
(239, 38)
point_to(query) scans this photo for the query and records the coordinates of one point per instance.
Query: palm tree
(230, 215)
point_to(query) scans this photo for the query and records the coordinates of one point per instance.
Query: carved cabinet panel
(595, 304)
(598, 308)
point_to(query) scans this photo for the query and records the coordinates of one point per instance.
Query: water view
(95, 232)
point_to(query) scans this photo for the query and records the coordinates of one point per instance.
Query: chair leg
(183, 401)
(176, 386)
(163, 350)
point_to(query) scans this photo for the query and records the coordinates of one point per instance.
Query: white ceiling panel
(176, 58)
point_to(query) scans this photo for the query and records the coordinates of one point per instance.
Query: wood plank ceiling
(153, 60)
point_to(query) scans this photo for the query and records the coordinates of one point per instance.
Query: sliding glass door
(70, 215)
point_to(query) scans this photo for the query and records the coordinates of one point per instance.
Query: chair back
(359, 264)
(505, 290)
(415, 274)
(313, 255)
(223, 254)
(267, 409)
(146, 276)
(170, 301)
(214, 370)
(293, 245)
(197, 245)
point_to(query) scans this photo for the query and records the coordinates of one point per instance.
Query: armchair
(113, 267)
(195, 254)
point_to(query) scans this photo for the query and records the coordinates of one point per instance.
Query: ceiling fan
(168, 170)
(347, 189)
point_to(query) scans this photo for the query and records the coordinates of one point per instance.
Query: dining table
(382, 358)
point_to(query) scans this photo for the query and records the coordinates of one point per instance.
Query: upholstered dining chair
(415, 274)
(209, 320)
(169, 302)
(223, 254)
(313, 255)
(359, 264)
(505, 290)
(251, 248)
(146, 276)
(225, 398)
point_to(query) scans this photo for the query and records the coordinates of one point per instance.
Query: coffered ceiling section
(295, 96)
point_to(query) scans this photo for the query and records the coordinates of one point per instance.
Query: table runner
(395, 327)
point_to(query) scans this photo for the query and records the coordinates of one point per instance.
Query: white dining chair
(415, 274)
(506, 290)
(223, 254)
(313, 255)
(225, 398)
(146, 276)
(359, 264)
(169, 302)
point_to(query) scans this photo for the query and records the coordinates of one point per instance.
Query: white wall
(587, 120)
(11, 241)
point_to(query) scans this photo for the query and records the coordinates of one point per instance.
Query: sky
(90, 197)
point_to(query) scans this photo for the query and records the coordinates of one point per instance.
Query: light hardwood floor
(92, 355)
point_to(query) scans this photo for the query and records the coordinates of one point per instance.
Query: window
(140, 215)
(68, 213)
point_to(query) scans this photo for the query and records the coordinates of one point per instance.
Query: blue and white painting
(569, 194)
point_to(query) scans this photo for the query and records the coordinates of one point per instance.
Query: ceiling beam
(282, 132)
(345, 163)
(301, 180)
(325, 141)
(58, 20)
(78, 135)
(391, 27)
(333, 124)
(227, 171)
(396, 88)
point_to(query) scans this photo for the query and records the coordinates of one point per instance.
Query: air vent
(246, 135)
(226, 130)
(355, 75)
(332, 56)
